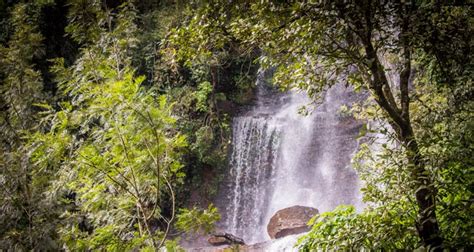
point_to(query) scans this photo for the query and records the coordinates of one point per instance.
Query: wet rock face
(291, 220)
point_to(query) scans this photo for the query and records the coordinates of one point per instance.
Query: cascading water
(281, 158)
(258, 136)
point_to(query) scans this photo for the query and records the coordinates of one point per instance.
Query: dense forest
(116, 116)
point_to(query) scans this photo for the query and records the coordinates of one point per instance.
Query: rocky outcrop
(291, 220)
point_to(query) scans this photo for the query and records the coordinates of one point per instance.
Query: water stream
(281, 158)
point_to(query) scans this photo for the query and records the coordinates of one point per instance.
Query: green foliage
(204, 136)
(85, 20)
(26, 219)
(444, 126)
(22, 85)
(124, 165)
(197, 220)
(202, 93)
(374, 229)
(201, 43)
(122, 160)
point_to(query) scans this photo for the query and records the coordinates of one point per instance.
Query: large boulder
(291, 220)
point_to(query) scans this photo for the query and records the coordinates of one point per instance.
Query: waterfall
(281, 158)
(251, 135)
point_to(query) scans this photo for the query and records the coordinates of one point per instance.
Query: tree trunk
(427, 224)
(399, 119)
